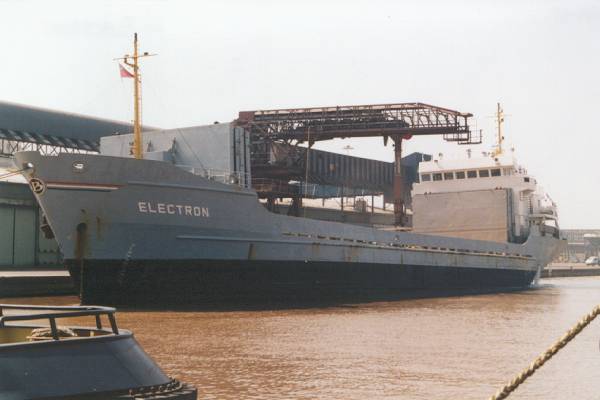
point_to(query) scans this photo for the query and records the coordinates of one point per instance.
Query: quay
(35, 282)
(564, 270)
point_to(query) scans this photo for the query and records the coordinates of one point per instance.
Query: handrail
(219, 175)
(60, 312)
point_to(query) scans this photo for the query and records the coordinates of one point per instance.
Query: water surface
(446, 348)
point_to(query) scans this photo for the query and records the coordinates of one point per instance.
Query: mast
(500, 121)
(137, 98)
(137, 129)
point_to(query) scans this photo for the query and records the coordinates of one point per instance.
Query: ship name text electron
(148, 207)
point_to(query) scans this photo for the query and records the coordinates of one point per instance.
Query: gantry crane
(391, 121)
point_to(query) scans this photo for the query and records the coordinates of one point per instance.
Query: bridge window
(471, 174)
(460, 175)
(448, 176)
(484, 173)
(496, 172)
(425, 177)
(437, 177)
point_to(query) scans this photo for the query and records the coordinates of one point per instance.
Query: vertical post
(306, 167)
(398, 182)
(36, 253)
(137, 131)
(271, 203)
(113, 323)
(14, 234)
(372, 204)
(53, 329)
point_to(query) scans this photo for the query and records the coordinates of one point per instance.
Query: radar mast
(499, 120)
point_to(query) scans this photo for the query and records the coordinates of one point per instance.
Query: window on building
(484, 173)
(460, 175)
(448, 176)
(471, 174)
(496, 172)
(507, 171)
(425, 177)
(437, 177)
(526, 179)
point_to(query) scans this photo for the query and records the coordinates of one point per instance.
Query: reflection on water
(447, 348)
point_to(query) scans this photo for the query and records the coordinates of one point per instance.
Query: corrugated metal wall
(21, 241)
(331, 168)
(334, 168)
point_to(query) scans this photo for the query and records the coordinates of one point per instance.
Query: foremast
(137, 97)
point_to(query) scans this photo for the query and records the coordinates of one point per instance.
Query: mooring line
(542, 358)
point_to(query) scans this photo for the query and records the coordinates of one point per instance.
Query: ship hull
(218, 283)
(142, 231)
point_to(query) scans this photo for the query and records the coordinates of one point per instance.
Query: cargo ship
(138, 225)
(139, 230)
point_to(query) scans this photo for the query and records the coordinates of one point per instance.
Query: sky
(539, 59)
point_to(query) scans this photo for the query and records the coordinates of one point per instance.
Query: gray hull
(141, 229)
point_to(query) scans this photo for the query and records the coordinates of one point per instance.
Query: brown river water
(445, 348)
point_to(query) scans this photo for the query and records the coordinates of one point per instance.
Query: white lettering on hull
(147, 207)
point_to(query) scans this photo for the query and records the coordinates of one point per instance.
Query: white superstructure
(491, 172)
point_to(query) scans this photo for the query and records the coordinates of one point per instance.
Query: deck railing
(219, 175)
(52, 313)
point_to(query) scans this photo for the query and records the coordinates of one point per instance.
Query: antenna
(137, 99)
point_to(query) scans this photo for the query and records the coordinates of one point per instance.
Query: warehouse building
(581, 244)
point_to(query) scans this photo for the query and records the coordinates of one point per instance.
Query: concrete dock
(563, 270)
(35, 282)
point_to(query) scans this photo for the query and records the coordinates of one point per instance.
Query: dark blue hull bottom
(243, 284)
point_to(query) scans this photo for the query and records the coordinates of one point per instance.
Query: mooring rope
(541, 360)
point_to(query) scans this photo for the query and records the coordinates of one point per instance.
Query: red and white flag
(124, 73)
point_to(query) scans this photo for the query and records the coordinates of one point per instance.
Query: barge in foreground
(68, 363)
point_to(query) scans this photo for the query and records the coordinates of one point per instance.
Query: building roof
(40, 125)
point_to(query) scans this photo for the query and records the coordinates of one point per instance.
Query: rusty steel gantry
(396, 121)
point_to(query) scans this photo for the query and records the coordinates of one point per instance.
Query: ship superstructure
(456, 197)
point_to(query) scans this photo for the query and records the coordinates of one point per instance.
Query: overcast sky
(540, 59)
